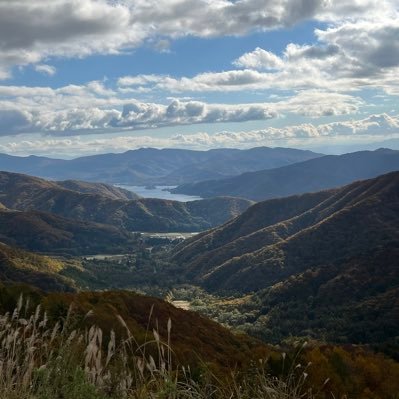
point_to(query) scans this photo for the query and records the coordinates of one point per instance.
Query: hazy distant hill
(32, 164)
(151, 166)
(323, 264)
(26, 193)
(309, 176)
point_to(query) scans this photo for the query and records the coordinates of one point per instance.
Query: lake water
(158, 192)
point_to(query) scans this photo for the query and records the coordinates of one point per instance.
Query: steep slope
(44, 232)
(323, 265)
(214, 359)
(25, 182)
(105, 190)
(309, 176)
(273, 240)
(18, 266)
(208, 341)
(26, 193)
(354, 301)
(151, 166)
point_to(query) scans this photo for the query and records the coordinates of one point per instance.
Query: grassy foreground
(39, 361)
(46, 353)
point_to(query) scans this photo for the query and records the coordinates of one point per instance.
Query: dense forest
(307, 279)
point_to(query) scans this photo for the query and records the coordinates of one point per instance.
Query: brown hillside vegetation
(105, 190)
(195, 338)
(323, 265)
(18, 266)
(44, 232)
(273, 239)
(26, 193)
(220, 361)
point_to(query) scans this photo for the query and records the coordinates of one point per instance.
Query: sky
(80, 77)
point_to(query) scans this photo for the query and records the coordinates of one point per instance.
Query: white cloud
(45, 69)
(357, 48)
(374, 125)
(139, 80)
(94, 107)
(316, 103)
(259, 59)
(349, 55)
(369, 128)
(30, 31)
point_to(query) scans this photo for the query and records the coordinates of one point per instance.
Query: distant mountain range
(99, 204)
(148, 166)
(308, 176)
(324, 264)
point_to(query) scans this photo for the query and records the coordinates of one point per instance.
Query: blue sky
(90, 76)
(186, 56)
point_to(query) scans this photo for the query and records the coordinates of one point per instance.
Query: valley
(245, 273)
(199, 199)
(318, 267)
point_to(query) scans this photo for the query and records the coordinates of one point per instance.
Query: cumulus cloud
(48, 70)
(14, 121)
(357, 48)
(316, 103)
(369, 128)
(374, 125)
(259, 59)
(141, 115)
(95, 107)
(349, 55)
(33, 30)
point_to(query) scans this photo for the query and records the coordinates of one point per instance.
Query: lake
(158, 192)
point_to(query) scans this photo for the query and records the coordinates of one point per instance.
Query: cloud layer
(347, 57)
(33, 30)
(372, 127)
(96, 108)
(355, 49)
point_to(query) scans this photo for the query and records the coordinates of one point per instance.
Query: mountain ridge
(147, 166)
(20, 266)
(309, 176)
(271, 240)
(27, 193)
(327, 270)
(51, 234)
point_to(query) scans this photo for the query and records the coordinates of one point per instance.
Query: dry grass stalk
(39, 361)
